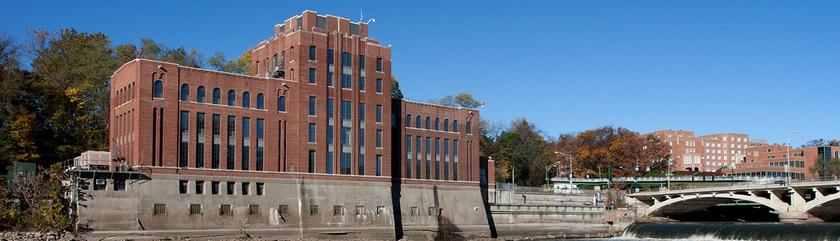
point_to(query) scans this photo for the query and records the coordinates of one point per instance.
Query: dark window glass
(231, 98)
(199, 94)
(231, 188)
(379, 86)
(225, 210)
(311, 132)
(260, 101)
(312, 105)
(217, 96)
(378, 138)
(455, 160)
(417, 122)
(246, 188)
(311, 75)
(119, 185)
(260, 188)
(159, 209)
(183, 153)
(199, 187)
(408, 120)
(378, 165)
(468, 127)
(312, 52)
(454, 125)
(157, 89)
(311, 158)
(231, 141)
(214, 187)
(437, 124)
(379, 113)
(183, 186)
(445, 124)
(260, 143)
(281, 103)
(408, 156)
(199, 140)
(185, 92)
(246, 100)
(346, 70)
(246, 142)
(216, 141)
(428, 157)
(428, 123)
(379, 64)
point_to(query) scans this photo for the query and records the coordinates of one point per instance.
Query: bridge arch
(819, 201)
(776, 205)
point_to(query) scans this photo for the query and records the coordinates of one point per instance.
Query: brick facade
(147, 131)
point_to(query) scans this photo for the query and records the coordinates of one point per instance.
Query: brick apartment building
(706, 153)
(736, 154)
(313, 124)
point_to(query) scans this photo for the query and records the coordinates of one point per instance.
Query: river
(729, 231)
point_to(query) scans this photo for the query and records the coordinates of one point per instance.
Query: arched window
(260, 101)
(199, 94)
(417, 122)
(428, 123)
(157, 89)
(454, 125)
(231, 98)
(446, 125)
(217, 96)
(246, 100)
(437, 124)
(185, 92)
(408, 120)
(281, 103)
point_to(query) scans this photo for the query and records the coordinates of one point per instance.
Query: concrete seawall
(327, 209)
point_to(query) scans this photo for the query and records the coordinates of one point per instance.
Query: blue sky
(763, 68)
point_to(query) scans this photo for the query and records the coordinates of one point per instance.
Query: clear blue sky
(758, 67)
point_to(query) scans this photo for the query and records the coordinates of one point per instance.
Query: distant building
(769, 160)
(706, 153)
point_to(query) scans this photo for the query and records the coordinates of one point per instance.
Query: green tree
(241, 65)
(396, 92)
(823, 168)
(463, 99)
(522, 149)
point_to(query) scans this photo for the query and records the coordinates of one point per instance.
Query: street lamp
(787, 163)
(548, 168)
(571, 173)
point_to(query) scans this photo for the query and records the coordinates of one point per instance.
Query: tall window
(281, 103)
(419, 157)
(231, 98)
(216, 142)
(346, 133)
(231, 141)
(437, 124)
(260, 143)
(378, 138)
(361, 72)
(312, 105)
(417, 122)
(260, 101)
(378, 165)
(428, 157)
(312, 75)
(185, 92)
(378, 113)
(246, 100)
(408, 120)
(445, 159)
(157, 89)
(408, 156)
(455, 160)
(199, 140)
(330, 135)
(468, 127)
(346, 70)
(185, 139)
(445, 124)
(379, 86)
(437, 158)
(454, 125)
(311, 138)
(217, 96)
(199, 94)
(246, 142)
(428, 123)
(378, 64)
(361, 159)
(330, 67)
(311, 158)
(312, 52)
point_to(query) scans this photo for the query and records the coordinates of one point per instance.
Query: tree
(823, 168)
(396, 93)
(463, 99)
(523, 150)
(242, 65)
(35, 203)
(821, 142)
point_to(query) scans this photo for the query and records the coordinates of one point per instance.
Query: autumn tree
(241, 65)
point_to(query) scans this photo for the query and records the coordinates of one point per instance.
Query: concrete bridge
(797, 202)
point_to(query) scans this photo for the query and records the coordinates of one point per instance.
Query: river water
(729, 231)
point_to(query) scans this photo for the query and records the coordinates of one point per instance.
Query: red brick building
(769, 160)
(707, 153)
(317, 101)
